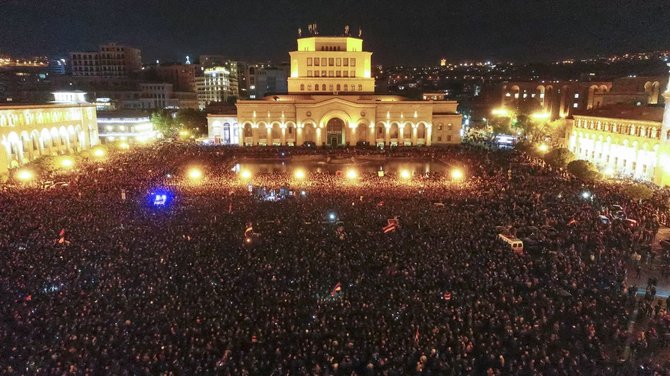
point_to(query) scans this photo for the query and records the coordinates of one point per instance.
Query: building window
(331, 74)
(338, 62)
(360, 87)
(338, 73)
(309, 87)
(316, 87)
(323, 73)
(352, 74)
(353, 62)
(302, 87)
(330, 87)
(345, 62)
(323, 87)
(439, 127)
(309, 73)
(346, 87)
(575, 105)
(331, 61)
(316, 61)
(439, 138)
(338, 87)
(345, 73)
(450, 125)
(309, 61)
(449, 138)
(324, 62)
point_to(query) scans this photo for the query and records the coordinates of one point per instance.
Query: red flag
(392, 225)
(416, 336)
(381, 203)
(572, 222)
(29, 298)
(446, 296)
(62, 233)
(336, 289)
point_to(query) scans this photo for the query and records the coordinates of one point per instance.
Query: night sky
(407, 32)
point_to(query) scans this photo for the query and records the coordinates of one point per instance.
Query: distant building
(69, 97)
(125, 126)
(111, 60)
(625, 140)
(264, 79)
(31, 131)
(218, 84)
(181, 76)
(642, 90)
(331, 107)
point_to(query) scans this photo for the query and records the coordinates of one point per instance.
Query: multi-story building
(111, 60)
(181, 76)
(625, 140)
(125, 126)
(263, 79)
(335, 114)
(339, 63)
(218, 84)
(30, 131)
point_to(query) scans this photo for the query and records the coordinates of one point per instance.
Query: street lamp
(99, 152)
(457, 174)
(502, 111)
(352, 174)
(299, 174)
(405, 174)
(540, 116)
(195, 174)
(542, 148)
(245, 174)
(67, 163)
(25, 175)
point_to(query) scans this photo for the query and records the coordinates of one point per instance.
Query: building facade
(125, 126)
(625, 141)
(31, 131)
(218, 84)
(334, 108)
(111, 60)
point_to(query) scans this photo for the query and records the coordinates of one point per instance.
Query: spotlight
(405, 174)
(195, 174)
(457, 174)
(352, 174)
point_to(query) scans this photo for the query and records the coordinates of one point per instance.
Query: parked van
(515, 243)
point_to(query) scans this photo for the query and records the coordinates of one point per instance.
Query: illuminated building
(625, 141)
(330, 101)
(125, 126)
(30, 131)
(217, 84)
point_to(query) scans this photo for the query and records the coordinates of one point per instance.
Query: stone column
(401, 134)
(387, 134)
(318, 136)
(429, 134)
(415, 130)
(269, 136)
(353, 137)
(283, 135)
(298, 135)
(254, 135)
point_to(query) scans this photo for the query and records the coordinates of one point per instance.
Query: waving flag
(336, 289)
(392, 225)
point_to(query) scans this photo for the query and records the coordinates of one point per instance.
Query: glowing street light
(67, 163)
(25, 175)
(405, 174)
(99, 152)
(586, 195)
(540, 116)
(245, 174)
(124, 146)
(542, 148)
(195, 174)
(502, 111)
(352, 174)
(457, 174)
(299, 174)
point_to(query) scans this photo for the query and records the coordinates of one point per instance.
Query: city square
(434, 189)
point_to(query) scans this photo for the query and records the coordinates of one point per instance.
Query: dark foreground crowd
(316, 287)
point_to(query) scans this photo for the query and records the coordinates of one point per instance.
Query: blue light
(160, 198)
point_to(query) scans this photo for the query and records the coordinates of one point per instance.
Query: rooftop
(619, 111)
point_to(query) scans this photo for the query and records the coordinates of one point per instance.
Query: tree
(559, 157)
(584, 170)
(638, 191)
(194, 121)
(557, 129)
(164, 123)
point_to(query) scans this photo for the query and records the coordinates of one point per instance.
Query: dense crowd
(96, 284)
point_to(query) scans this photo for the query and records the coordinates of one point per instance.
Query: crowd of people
(95, 279)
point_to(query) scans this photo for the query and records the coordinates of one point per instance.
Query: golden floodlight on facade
(195, 174)
(352, 174)
(25, 175)
(300, 174)
(457, 174)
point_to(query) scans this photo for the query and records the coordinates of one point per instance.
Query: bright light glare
(299, 174)
(457, 174)
(500, 112)
(586, 195)
(540, 115)
(195, 173)
(609, 171)
(405, 174)
(124, 146)
(542, 148)
(245, 174)
(25, 175)
(99, 152)
(352, 174)
(332, 216)
(67, 163)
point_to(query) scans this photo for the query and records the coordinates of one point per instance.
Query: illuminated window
(324, 62)
(309, 61)
(576, 95)
(323, 73)
(439, 127)
(309, 73)
(575, 105)
(316, 61)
